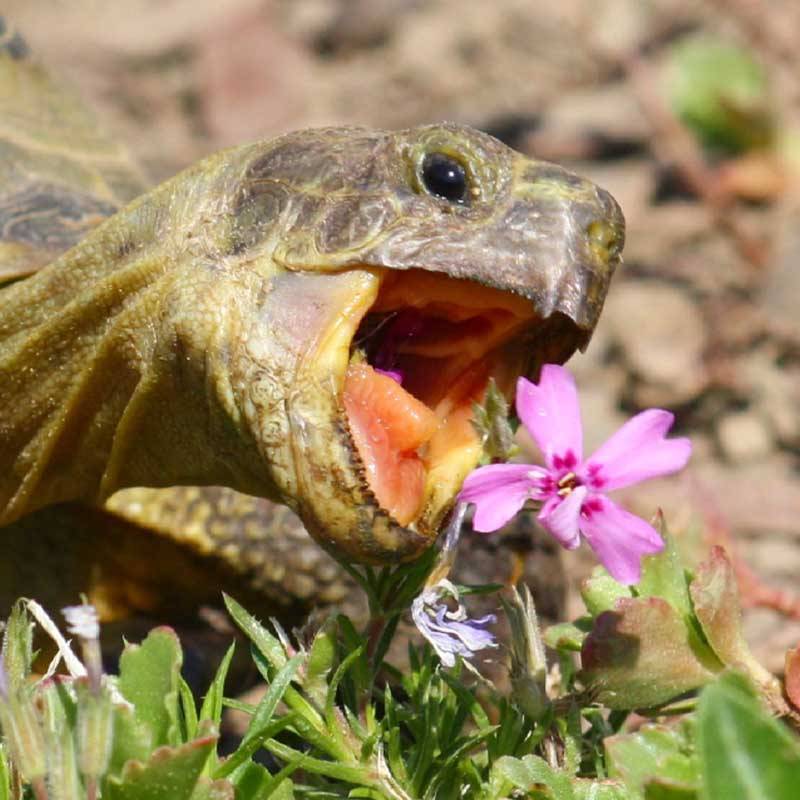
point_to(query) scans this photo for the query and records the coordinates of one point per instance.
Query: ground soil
(702, 318)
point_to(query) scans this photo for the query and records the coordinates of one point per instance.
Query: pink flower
(573, 490)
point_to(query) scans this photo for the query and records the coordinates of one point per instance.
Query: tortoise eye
(445, 177)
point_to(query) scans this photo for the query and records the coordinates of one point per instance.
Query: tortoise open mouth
(423, 353)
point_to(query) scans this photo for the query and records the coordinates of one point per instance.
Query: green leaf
(246, 749)
(600, 592)
(267, 644)
(18, 645)
(746, 754)
(660, 790)
(149, 679)
(283, 791)
(599, 790)
(654, 753)
(351, 640)
(188, 710)
(171, 773)
(468, 700)
(262, 726)
(206, 789)
(211, 709)
(254, 782)
(490, 420)
(238, 705)
(721, 93)
(249, 780)
(332, 718)
(5, 776)
(347, 773)
(528, 772)
(320, 662)
(640, 655)
(308, 722)
(663, 574)
(567, 635)
(269, 702)
(132, 739)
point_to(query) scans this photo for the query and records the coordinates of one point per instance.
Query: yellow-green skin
(200, 335)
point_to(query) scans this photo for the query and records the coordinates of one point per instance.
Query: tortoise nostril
(605, 239)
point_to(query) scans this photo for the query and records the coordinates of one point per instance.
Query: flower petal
(550, 412)
(498, 492)
(560, 517)
(636, 452)
(470, 632)
(394, 374)
(619, 538)
(450, 633)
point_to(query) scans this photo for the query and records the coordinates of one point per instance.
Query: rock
(735, 324)
(630, 181)
(610, 111)
(135, 29)
(465, 62)
(770, 635)
(744, 437)
(253, 79)
(782, 284)
(775, 391)
(653, 238)
(756, 499)
(662, 336)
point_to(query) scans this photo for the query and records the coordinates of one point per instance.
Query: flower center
(567, 483)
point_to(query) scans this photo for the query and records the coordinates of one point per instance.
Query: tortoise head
(309, 320)
(413, 266)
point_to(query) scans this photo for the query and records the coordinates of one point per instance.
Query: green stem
(364, 582)
(375, 628)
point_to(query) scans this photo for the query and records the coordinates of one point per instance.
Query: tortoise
(292, 327)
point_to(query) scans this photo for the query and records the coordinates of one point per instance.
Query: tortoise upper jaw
(553, 239)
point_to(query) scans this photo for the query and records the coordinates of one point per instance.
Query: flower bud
(23, 732)
(528, 661)
(95, 730)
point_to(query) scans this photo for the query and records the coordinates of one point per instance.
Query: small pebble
(744, 436)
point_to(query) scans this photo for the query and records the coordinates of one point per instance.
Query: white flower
(82, 621)
(450, 633)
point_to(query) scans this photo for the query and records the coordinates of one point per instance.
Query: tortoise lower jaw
(355, 318)
(422, 355)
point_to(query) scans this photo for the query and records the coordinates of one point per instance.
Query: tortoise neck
(114, 374)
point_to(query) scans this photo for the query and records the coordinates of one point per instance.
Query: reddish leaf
(640, 655)
(792, 678)
(715, 595)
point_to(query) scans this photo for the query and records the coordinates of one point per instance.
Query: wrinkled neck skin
(148, 355)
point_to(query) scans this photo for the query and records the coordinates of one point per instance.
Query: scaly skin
(59, 174)
(201, 334)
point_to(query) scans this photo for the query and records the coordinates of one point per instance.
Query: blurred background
(688, 112)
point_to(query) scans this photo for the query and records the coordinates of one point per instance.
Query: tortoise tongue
(388, 425)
